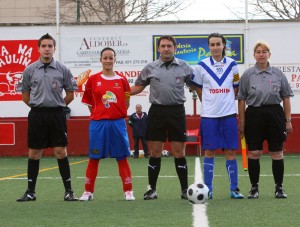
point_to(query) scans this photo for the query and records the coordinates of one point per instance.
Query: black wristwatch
(288, 120)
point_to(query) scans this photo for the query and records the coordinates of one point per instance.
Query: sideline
(40, 171)
(199, 210)
(165, 176)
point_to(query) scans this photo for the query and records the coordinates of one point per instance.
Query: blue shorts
(219, 133)
(108, 138)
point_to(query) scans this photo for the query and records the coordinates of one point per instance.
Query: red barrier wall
(78, 137)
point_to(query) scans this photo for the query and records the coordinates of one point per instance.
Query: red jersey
(107, 96)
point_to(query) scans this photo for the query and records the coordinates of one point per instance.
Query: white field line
(165, 176)
(199, 210)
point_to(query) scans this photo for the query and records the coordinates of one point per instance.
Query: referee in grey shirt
(166, 118)
(262, 88)
(42, 88)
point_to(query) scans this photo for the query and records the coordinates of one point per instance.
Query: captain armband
(127, 95)
(236, 78)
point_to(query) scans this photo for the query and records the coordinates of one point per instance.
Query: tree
(115, 10)
(277, 9)
(271, 9)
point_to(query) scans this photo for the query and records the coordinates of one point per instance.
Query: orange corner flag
(244, 154)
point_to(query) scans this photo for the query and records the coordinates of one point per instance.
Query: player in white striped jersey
(216, 81)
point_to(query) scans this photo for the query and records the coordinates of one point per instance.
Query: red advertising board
(7, 133)
(15, 55)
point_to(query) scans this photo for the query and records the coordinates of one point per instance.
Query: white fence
(79, 48)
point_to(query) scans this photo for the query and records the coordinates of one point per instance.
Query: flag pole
(57, 32)
(246, 36)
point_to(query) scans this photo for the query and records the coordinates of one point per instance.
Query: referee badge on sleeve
(276, 88)
(178, 80)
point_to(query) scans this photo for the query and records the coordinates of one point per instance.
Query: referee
(262, 88)
(42, 88)
(166, 118)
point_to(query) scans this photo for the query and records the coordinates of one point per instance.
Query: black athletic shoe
(28, 196)
(279, 193)
(69, 196)
(150, 194)
(254, 193)
(184, 194)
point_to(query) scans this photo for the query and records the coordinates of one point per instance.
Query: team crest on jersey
(108, 98)
(219, 70)
(98, 84)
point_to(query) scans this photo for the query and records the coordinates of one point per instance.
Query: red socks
(125, 174)
(91, 174)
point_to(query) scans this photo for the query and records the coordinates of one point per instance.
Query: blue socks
(232, 170)
(208, 168)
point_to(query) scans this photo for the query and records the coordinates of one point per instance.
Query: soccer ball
(165, 153)
(197, 193)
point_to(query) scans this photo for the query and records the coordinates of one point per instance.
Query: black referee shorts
(166, 122)
(47, 127)
(265, 123)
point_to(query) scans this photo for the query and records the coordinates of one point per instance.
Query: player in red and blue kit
(216, 81)
(107, 95)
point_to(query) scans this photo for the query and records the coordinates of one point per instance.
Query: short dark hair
(218, 35)
(107, 48)
(167, 37)
(47, 36)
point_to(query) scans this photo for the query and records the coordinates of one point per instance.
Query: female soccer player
(216, 79)
(107, 95)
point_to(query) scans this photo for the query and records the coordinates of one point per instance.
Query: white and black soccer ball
(198, 193)
(165, 153)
